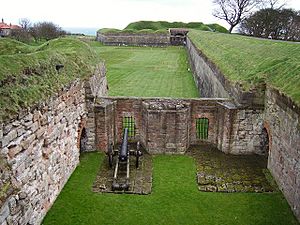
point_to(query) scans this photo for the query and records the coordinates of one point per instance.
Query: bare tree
(234, 11)
(46, 31)
(25, 23)
(273, 4)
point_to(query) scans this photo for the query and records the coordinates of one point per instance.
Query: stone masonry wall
(95, 87)
(282, 121)
(169, 125)
(134, 39)
(42, 151)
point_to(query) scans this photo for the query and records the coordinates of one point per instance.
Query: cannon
(121, 164)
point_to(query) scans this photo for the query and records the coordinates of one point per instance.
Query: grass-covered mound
(163, 26)
(28, 74)
(160, 25)
(251, 61)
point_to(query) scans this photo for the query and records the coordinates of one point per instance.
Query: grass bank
(251, 61)
(174, 200)
(162, 27)
(28, 73)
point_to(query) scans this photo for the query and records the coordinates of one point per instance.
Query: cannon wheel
(110, 156)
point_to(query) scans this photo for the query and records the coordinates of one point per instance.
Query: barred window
(128, 122)
(202, 128)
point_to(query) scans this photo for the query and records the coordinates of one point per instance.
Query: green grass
(160, 25)
(174, 200)
(250, 61)
(148, 72)
(28, 73)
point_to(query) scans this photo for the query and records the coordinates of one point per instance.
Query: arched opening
(83, 140)
(265, 142)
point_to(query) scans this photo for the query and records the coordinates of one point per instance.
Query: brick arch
(268, 129)
(81, 127)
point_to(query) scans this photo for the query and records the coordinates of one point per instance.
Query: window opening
(128, 122)
(202, 128)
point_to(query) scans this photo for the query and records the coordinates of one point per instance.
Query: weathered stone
(27, 142)
(4, 212)
(14, 208)
(34, 126)
(14, 151)
(9, 137)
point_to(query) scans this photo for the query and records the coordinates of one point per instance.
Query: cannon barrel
(124, 147)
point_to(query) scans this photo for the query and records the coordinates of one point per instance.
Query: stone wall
(282, 121)
(212, 83)
(169, 125)
(40, 149)
(134, 39)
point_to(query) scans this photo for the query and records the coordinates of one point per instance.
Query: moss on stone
(29, 74)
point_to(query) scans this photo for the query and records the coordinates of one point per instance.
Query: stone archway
(265, 142)
(83, 140)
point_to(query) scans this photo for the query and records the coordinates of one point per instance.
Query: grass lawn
(251, 61)
(174, 200)
(148, 72)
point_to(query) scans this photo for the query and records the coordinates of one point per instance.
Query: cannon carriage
(119, 160)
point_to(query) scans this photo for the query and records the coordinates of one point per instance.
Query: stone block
(27, 142)
(14, 208)
(9, 137)
(7, 128)
(34, 126)
(4, 212)
(14, 151)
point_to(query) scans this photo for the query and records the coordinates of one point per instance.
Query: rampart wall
(134, 39)
(282, 121)
(212, 83)
(40, 149)
(264, 108)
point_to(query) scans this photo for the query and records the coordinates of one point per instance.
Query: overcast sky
(110, 13)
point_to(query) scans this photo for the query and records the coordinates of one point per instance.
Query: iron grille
(128, 122)
(202, 128)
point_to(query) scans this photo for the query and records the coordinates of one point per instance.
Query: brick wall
(169, 125)
(282, 121)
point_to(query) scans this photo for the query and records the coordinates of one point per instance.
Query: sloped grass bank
(148, 72)
(174, 200)
(28, 74)
(251, 61)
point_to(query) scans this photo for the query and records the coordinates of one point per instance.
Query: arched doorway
(265, 142)
(83, 140)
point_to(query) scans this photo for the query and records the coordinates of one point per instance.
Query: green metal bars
(202, 128)
(128, 122)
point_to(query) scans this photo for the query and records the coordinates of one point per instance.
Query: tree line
(37, 31)
(260, 18)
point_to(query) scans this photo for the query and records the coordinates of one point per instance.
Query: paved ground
(218, 172)
(140, 178)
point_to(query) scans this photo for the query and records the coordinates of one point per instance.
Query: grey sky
(111, 13)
